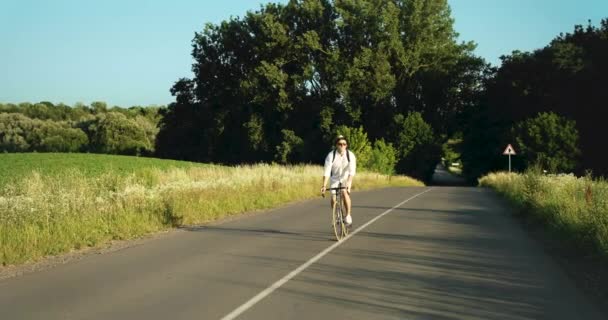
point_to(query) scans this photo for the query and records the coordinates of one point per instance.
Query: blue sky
(131, 52)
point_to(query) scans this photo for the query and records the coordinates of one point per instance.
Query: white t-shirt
(340, 168)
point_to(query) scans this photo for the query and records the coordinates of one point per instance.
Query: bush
(114, 133)
(549, 141)
(19, 133)
(383, 158)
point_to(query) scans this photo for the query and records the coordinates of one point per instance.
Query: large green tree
(566, 77)
(417, 145)
(294, 73)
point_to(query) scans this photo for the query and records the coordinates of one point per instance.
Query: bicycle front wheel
(338, 222)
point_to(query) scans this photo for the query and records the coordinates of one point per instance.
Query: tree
(99, 107)
(149, 128)
(308, 67)
(417, 147)
(548, 140)
(19, 133)
(451, 150)
(13, 132)
(114, 133)
(45, 127)
(53, 136)
(289, 148)
(565, 77)
(484, 139)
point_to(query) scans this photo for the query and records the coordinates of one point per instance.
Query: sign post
(509, 151)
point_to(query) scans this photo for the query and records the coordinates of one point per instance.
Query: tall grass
(576, 208)
(44, 214)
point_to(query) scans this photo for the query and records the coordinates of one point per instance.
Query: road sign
(509, 151)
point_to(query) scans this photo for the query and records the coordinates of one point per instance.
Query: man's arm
(324, 186)
(349, 183)
(352, 170)
(326, 173)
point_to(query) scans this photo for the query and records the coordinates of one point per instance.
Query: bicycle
(341, 230)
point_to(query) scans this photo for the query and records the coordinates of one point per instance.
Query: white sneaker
(349, 219)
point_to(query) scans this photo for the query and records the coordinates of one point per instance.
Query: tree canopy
(277, 83)
(45, 127)
(567, 77)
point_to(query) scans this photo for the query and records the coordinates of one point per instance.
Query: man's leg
(347, 202)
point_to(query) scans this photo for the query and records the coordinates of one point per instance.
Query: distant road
(443, 177)
(449, 253)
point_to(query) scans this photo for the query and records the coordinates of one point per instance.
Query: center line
(257, 298)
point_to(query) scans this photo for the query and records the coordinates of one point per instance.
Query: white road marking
(257, 298)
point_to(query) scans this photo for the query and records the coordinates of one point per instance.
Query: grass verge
(575, 209)
(44, 213)
(569, 217)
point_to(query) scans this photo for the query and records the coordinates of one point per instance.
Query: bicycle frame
(340, 228)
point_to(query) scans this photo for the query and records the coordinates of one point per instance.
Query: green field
(14, 166)
(53, 203)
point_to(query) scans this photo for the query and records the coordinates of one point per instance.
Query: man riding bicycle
(340, 168)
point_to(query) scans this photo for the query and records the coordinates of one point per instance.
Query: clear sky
(130, 52)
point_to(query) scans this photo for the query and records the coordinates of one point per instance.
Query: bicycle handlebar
(329, 189)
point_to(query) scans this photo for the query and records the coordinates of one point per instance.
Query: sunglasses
(341, 144)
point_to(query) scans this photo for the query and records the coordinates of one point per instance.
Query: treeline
(552, 104)
(45, 127)
(279, 83)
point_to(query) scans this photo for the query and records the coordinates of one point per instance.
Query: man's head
(341, 143)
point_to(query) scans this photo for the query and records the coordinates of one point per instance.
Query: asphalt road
(442, 177)
(450, 253)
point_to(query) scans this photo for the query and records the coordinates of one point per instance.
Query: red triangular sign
(509, 150)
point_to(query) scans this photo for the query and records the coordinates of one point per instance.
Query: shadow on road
(461, 261)
(457, 286)
(468, 280)
(246, 232)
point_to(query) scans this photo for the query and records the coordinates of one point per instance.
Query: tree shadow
(262, 232)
